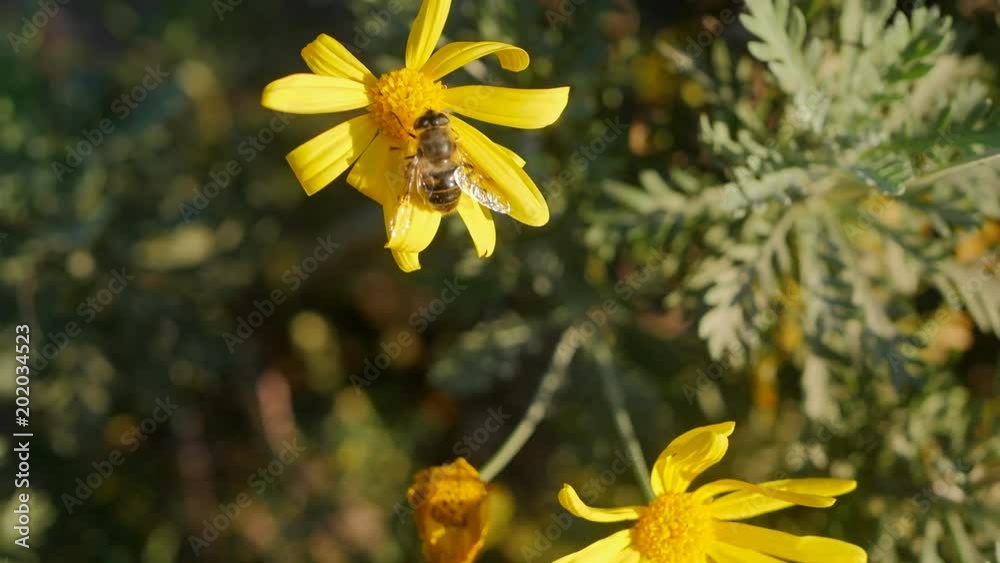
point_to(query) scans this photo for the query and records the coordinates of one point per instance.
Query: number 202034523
(22, 349)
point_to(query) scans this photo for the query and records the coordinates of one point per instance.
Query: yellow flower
(450, 511)
(380, 139)
(694, 527)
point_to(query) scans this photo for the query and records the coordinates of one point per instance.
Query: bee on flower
(411, 152)
(699, 526)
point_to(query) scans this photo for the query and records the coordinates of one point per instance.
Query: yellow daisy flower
(379, 141)
(450, 511)
(697, 527)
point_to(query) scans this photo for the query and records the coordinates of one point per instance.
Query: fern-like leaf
(781, 32)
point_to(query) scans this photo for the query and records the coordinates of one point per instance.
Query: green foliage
(848, 189)
(781, 32)
(797, 205)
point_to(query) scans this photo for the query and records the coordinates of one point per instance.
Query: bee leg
(403, 127)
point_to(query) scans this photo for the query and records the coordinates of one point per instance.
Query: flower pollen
(675, 528)
(455, 502)
(399, 97)
(450, 493)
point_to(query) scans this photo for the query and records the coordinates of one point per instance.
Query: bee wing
(401, 220)
(473, 184)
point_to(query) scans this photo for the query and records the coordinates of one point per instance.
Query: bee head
(430, 119)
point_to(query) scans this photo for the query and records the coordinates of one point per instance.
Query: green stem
(570, 341)
(623, 422)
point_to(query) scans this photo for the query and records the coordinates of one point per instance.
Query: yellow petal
(688, 455)
(627, 556)
(426, 32)
(329, 57)
(422, 224)
(801, 549)
(460, 53)
(813, 486)
(726, 485)
(526, 203)
(479, 221)
(601, 551)
(379, 172)
(747, 504)
(511, 155)
(511, 107)
(407, 261)
(322, 159)
(725, 553)
(312, 93)
(572, 502)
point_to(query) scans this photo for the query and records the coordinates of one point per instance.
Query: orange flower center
(675, 529)
(400, 97)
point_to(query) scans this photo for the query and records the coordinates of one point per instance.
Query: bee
(440, 173)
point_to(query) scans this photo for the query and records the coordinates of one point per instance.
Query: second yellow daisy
(679, 526)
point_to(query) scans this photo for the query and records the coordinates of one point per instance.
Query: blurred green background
(131, 268)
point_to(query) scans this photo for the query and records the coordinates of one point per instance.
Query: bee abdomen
(443, 190)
